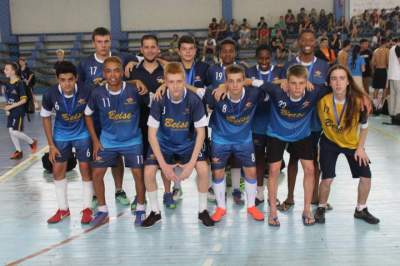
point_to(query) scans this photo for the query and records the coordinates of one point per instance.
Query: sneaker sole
(146, 227)
(62, 218)
(360, 218)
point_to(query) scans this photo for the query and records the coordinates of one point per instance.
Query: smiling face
(113, 74)
(187, 51)
(228, 53)
(150, 50)
(264, 60)
(307, 43)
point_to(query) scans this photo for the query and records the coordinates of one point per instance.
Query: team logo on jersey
(306, 104)
(282, 104)
(326, 109)
(130, 100)
(248, 105)
(160, 80)
(318, 74)
(171, 123)
(14, 91)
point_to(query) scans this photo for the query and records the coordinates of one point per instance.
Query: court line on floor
(61, 243)
(24, 164)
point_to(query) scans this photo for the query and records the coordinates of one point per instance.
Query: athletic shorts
(133, 157)
(83, 149)
(243, 154)
(15, 121)
(260, 145)
(174, 157)
(329, 152)
(380, 78)
(302, 149)
(315, 137)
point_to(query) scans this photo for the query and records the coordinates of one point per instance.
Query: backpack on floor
(48, 166)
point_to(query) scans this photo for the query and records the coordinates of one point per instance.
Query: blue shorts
(133, 157)
(243, 153)
(15, 121)
(174, 158)
(83, 149)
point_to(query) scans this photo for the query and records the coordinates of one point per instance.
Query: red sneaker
(60, 215)
(255, 213)
(86, 216)
(34, 145)
(16, 155)
(218, 214)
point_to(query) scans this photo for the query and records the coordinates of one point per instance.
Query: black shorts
(260, 146)
(301, 149)
(380, 78)
(329, 152)
(315, 137)
(15, 121)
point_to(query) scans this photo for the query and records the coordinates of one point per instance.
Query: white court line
(208, 262)
(23, 165)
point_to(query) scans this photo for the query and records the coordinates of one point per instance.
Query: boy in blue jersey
(215, 76)
(268, 73)
(118, 107)
(231, 124)
(68, 100)
(290, 124)
(15, 110)
(177, 125)
(317, 72)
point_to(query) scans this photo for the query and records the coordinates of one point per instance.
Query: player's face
(307, 43)
(187, 52)
(235, 83)
(8, 71)
(228, 54)
(67, 82)
(339, 81)
(264, 60)
(175, 84)
(297, 86)
(102, 44)
(113, 74)
(364, 45)
(150, 50)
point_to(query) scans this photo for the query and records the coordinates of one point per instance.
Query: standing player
(317, 70)
(15, 110)
(68, 100)
(118, 107)
(177, 125)
(345, 129)
(215, 76)
(267, 72)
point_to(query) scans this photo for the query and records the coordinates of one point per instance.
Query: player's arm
(141, 87)
(89, 110)
(45, 113)
(360, 155)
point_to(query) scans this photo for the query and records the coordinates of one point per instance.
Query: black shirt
(367, 55)
(151, 80)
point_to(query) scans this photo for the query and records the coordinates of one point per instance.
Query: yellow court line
(21, 166)
(391, 136)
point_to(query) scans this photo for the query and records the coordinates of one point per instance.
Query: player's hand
(285, 85)
(168, 170)
(187, 170)
(96, 148)
(129, 67)
(7, 107)
(141, 88)
(220, 92)
(53, 153)
(248, 82)
(361, 157)
(160, 92)
(366, 104)
(309, 86)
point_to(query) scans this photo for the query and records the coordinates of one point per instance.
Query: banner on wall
(357, 7)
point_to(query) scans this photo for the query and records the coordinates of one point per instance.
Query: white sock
(250, 186)
(235, 175)
(219, 187)
(202, 202)
(87, 191)
(260, 192)
(15, 140)
(140, 207)
(61, 194)
(22, 136)
(153, 201)
(102, 208)
(361, 207)
(322, 205)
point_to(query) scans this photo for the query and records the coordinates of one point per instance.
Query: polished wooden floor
(27, 199)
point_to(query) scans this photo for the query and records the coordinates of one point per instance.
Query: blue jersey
(13, 94)
(317, 73)
(176, 122)
(261, 115)
(69, 122)
(231, 121)
(216, 75)
(197, 75)
(291, 120)
(119, 115)
(356, 69)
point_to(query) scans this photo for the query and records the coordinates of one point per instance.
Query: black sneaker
(152, 219)
(366, 216)
(319, 215)
(258, 201)
(205, 218)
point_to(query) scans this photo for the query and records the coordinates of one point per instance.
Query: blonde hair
(298, 71)
(174, 68)
(113, 59)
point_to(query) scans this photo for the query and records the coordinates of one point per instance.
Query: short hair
(65, 67)
(346, 42)
(261, 48)
(148, 37)
(186, 39)
(323, 39)
(113, 59)
(384, 40)
(100, 31)
(234, 69)
(174, 68)
(297, 71)
(306, 31)
(363, 41)
(60, 51)
(14, 67)
(227, 41)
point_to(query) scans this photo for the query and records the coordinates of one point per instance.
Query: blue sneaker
(169, 201)
(100, 218)
(140, 217)
(237, 197)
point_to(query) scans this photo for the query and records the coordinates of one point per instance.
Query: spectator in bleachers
(222, 29)
(341, 27)
(356, 65)
(261, 23)
(28, 77)
(366, 53)
(281, 55)
(335, 42)
(173, 45)
(209, 51)
(60, 58)
(306, 24)
(301, 16)
(331, 22)
(325, 53)
(234, 30)
(343, 54)
(323, 21)
(263, 35)
(280, 25)
(244, 34)
(353, 28)
(313, 16)
(213, 29)
(376, 39)
(290, 22)
(277, 40)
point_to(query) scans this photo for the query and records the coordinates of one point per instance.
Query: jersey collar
(116, 92)
(305, 64)
(177, 102)
(241, 97)
(98, 59)
(67, 96)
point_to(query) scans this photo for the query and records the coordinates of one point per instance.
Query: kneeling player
(176, 135)
(69, 101)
